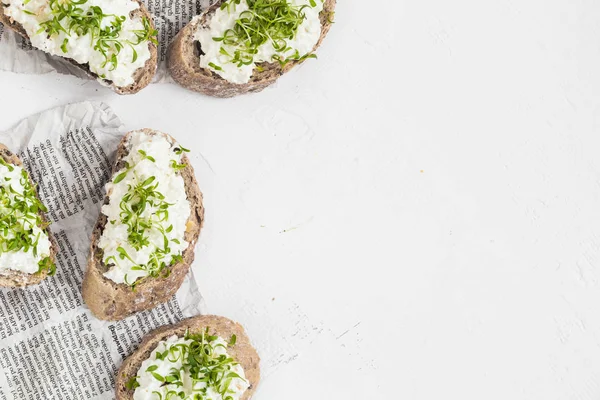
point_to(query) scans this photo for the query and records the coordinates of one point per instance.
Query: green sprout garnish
(215, 66)
(331, 17)
(132, 383)
(146, 156)
(180, 150)
(105, 29)
(200, 361)
(176, 166)
(274, 21)
(19, 215)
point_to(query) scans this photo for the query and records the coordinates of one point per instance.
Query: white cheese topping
(147, 211)
(19, 223)
(304, 41)
(129, 52)
(169, 359)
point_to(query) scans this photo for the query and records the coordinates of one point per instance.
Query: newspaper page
(17, 55)
(51, 346)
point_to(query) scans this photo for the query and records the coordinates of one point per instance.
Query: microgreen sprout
(180, 150)
(145, 156)
(176, 166)
(215, 66)
(132, 383)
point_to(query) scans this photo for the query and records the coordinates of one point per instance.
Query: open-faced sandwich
(143, 242)
(205, 357)
(241, 46)
(113, 41)
(27, 249)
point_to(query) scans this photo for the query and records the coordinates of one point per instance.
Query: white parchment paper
(51, 347)
(17, 55)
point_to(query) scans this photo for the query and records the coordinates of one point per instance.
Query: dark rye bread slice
(242, 351)
(114, 301)
(142, 77)
(183, 59)
(12, 278)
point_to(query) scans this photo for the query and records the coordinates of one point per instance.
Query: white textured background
(415, 215)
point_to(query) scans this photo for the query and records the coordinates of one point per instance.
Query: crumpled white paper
(51, 346)
(17, 55)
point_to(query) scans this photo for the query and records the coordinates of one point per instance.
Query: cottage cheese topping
(304, 41)
(147, 211)
(53, 32)
(168, 372)
(23, 244)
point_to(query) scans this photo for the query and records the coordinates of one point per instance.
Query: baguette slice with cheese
(235, 342)
(111, 298)
(185, 52)
(113, 42)
(32, 258)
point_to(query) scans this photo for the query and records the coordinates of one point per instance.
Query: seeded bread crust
(11, 278)
(142, 77)
(114, 301)
(242, 351)
(183, 58)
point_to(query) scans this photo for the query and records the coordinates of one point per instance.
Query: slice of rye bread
(183, 59)
(113, 301)
(242, 352)
(142, 76)
(13, 278)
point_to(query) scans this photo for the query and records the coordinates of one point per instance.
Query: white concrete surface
(415, 215)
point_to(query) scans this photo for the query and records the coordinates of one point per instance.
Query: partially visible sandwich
(242, 46)
(27, 249)
(113, 41)
(144, 240)
(205, 357)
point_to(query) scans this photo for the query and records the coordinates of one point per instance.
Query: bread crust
(113, 301)
(12, 278)
(183, 60)
(242, 351)
(142, 76)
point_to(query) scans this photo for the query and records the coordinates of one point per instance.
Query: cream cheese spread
(23, 242)
(218, 55)
(147, 212)
(167, 372)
